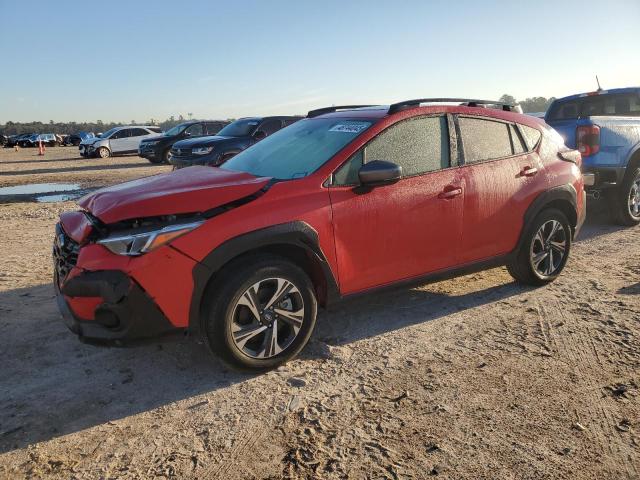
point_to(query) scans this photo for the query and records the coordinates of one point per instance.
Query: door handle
(450, 192)
(528, 171)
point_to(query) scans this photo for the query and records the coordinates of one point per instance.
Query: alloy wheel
(267, 318)
(634, 199)
(548, 248)
(103, 152)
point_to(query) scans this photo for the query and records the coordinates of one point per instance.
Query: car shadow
(54, 385)
(598, 222)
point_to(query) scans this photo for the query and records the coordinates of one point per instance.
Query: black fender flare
(297, 233)
(565, 193)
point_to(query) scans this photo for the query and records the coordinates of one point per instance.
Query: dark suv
(346, 201)
(156, 150)
(229, 141)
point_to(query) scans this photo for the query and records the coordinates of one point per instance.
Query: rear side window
(531, 136)
(213, 128)
(418, 145)
(138, 132)
(270, 126)
(484, 139)
(156, 129)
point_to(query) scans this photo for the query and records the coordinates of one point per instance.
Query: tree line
(67, 128)
(529, 105)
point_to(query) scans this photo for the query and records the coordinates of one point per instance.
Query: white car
(118, 140)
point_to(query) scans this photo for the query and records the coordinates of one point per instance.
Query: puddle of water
(33, 188)
(61, 197)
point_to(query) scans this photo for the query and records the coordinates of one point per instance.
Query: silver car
(118, 140)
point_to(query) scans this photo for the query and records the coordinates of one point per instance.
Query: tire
(228, 313)
(536, 262)
(624, 202)
(103, 152)
(164, 158)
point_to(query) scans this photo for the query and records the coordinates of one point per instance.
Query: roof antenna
(598, 82)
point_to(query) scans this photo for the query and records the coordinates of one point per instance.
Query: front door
(403, 230)
(118, 141)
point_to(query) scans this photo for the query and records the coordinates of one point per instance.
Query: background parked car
(605, 127)
(118, 140)
(47, 139)
(157, 149)
(13, 140)
(229, 141)
(76, 138)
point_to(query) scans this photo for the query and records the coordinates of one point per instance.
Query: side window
(124, 133)
(484, 139)
(348, 173)
(195, 130)
(517, 143)
(270, 126)
(138, 132)
(531, 136)
(156, 129)
(418, 145)
(289, 121)
(213, 128)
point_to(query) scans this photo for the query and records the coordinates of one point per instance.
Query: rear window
(621, 105)
(531, 136)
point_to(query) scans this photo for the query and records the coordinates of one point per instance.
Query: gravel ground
(472, 378)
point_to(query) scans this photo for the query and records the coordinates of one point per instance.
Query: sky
(138, 60)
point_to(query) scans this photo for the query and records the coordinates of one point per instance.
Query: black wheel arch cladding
(273, 239)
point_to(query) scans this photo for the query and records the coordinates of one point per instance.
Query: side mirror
(379, 172)
(259, 135)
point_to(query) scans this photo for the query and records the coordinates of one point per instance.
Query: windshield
(239, 128)
(298, 150)
(178, 129)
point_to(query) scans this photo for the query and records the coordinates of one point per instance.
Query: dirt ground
(472, 378)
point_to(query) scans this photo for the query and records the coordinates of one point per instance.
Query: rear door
(500, 181)
(137, 134)
(406, 229)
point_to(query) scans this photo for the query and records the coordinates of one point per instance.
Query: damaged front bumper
(126, 313)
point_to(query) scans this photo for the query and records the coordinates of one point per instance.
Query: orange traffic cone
(40, 148)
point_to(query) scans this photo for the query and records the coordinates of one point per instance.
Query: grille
(65, 254)
(180, 152)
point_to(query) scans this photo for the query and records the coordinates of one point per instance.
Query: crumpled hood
(200, 141)
(188, 190)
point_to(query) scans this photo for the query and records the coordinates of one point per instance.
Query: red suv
(346, 201)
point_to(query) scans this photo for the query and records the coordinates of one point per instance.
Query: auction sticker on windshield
(350, 127)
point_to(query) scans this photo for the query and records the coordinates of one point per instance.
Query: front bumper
(148, 151)
(126, 315)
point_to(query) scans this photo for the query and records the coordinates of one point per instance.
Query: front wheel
(625, 200)
(261, 312)
(544, 251)
(103, 152)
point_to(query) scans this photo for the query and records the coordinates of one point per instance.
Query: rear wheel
(103, 152)
(261, 312)
(544, 251)
(624, 202)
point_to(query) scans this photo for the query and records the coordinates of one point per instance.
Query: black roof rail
(322, 111)
(469, 102)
